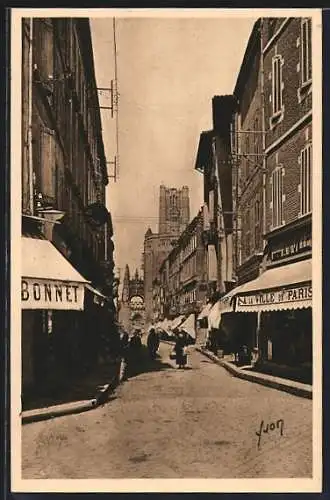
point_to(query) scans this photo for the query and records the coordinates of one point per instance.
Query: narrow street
(168, 423)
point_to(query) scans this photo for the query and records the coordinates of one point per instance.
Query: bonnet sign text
(49, 294)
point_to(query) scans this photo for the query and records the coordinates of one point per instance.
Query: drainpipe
(30, 154)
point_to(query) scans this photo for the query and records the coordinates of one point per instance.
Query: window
(257, 223)
(306, 180)
(306, 51)
(248, 232)
(277, 197)
(47, 164)
(247, 157)
(257, 137)
(277, 85)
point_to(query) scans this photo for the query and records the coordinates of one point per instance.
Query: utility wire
(116, 94)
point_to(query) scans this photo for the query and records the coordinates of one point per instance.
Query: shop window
(306, 51)
(277, 84)
(306, 180)
(277, 197)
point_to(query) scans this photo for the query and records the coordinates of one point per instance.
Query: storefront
(282, 299)
(52, 298)
(227, 329)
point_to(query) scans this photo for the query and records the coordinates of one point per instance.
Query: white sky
(168, 71)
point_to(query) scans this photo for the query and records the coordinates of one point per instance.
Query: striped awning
(280, 288)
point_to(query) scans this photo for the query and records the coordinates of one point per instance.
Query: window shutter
(48, 173)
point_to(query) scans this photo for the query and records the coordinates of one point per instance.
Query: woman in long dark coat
(180, 344)
(153, 342)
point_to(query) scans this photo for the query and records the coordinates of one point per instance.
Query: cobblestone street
(167, 423)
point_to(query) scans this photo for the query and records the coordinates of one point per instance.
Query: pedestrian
(180, 345)
(124, 354)
(213, 341)
(152, 342)
(134, 352)
(135, 343)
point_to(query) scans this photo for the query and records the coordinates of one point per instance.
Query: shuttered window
(47, 166)
(277, 85)
(306, 50)
(277, 197)
(306, 180)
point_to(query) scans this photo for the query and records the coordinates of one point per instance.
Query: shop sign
(294, 247)
(282, 296)
(50, 294)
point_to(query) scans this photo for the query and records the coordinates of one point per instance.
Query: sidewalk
(82, 395)
(282, 384)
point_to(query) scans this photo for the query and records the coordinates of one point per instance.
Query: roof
(251, 45)
(204, 149)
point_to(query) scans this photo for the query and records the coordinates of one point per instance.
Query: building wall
(248, 149)
(287, 132)
(65, 162)
(181, 274)
(291, 132)
(288, 156)
(296, 98)
(68, 159)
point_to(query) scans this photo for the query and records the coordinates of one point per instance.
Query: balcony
(97, 214)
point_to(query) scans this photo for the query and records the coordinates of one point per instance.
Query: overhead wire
(116, 98)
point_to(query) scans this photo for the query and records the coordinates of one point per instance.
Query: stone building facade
(272, 194)
(156, 249)
(64, 177)
(181, 283)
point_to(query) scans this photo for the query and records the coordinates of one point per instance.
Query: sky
(168, 70)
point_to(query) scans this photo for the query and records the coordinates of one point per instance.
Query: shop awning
(177, 321)
(214, 316)
(189, 326)
(49, 281)
(285, 287)
(205, 311)
(99, 298)
(223, 305)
